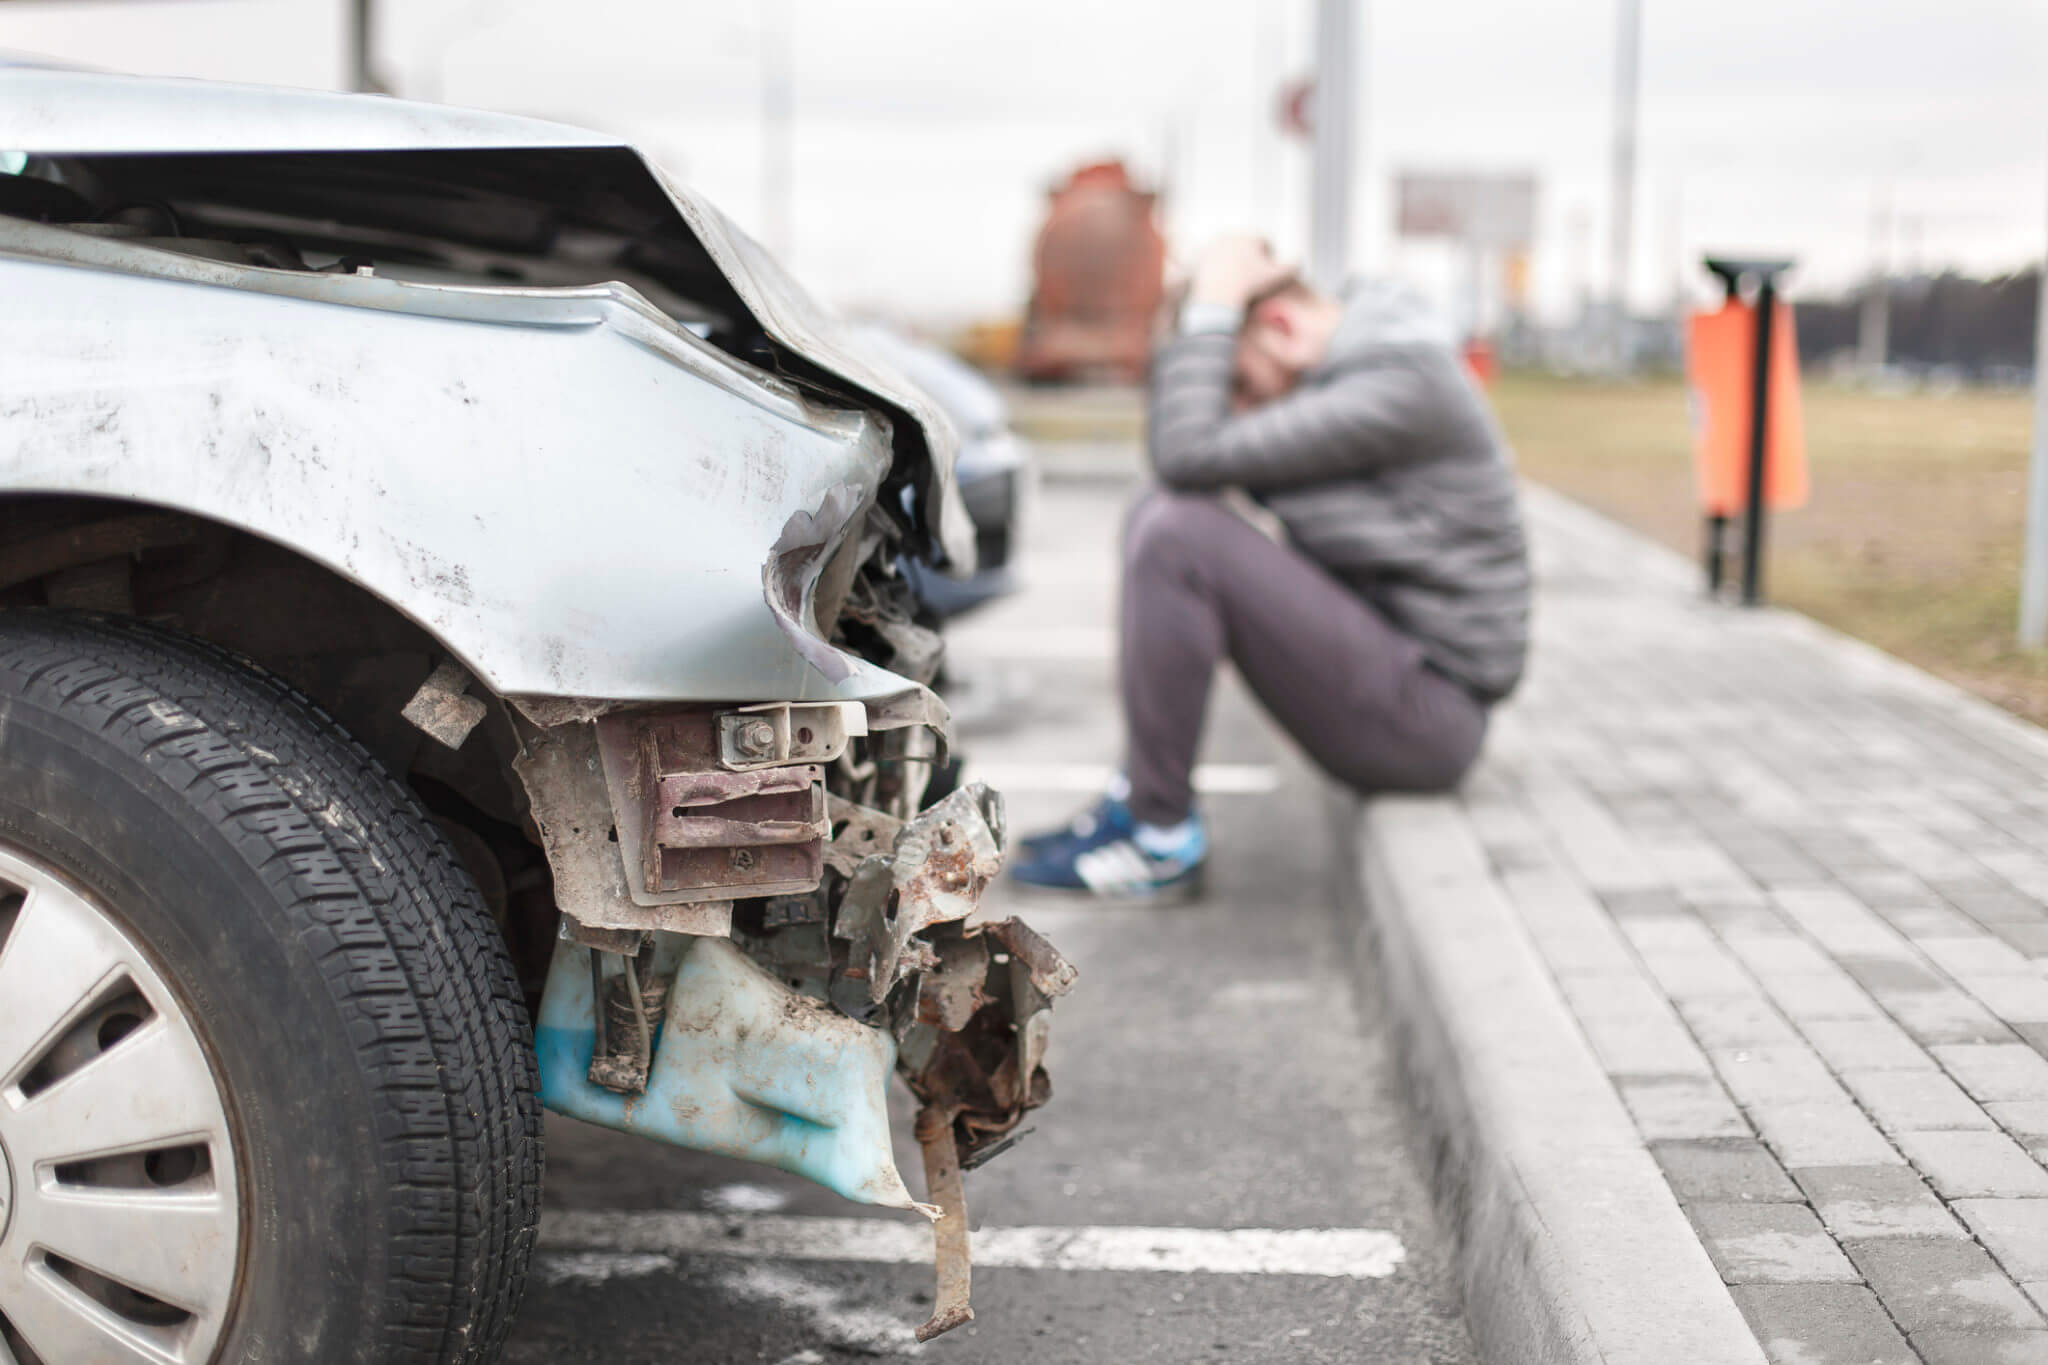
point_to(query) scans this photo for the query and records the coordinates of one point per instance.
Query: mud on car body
(448, 576)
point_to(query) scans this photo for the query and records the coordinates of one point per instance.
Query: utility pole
(2034, 569)
(362, 48)
(777, 117)
(1335, 113)
(1874, 326)
(1621, 231)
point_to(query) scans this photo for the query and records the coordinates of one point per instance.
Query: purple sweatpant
(1201, 584)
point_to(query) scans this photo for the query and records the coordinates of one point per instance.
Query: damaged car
(454, 659)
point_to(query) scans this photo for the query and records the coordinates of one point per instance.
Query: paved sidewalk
(1795, 896)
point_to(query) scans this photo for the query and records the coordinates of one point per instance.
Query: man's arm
(1353, 423)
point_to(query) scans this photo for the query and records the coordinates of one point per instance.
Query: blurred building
(1097, 271)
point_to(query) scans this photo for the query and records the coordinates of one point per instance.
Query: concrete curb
(1571, 1246)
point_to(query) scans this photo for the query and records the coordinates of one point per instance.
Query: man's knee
(1173, 530)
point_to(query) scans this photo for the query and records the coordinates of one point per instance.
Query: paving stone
(1964, 1165)
(1776, 954)
(1770, 1244)
(1876, 1201)
(1943, 1016)
(1884, 976)
(2026, 1120)
(2035, 1034)
(2015, 1231)
(1822, 1134)
(1821, 1324)
(1647, 901)
(1971, 954)
(1996, 1071)
(1680, 1108)
(1982, 1348)
(1786, 1074)
(1907, 1101)
(1928, 1283)
(1866, 1045)
(1726, 1021)
(1725, 1172)
(1820, 995)
(1631, 1025)
(2012, 996)
(2030, 938)
(1686, 958)
(1571, 930)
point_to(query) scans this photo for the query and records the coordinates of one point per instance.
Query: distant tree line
(1983, 329)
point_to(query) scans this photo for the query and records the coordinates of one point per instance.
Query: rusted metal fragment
(945, 1187)
(941, 863)
(691, 830)
(859, 833)
(443, 707)
(548, 712)
(951, 992)
(1049, 973)
(989, 1071)
(565, 786)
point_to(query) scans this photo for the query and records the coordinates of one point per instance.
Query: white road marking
(826, 1311)
(596, 1267)
(744, 1198)
(1331, 1253)
(1211, 779)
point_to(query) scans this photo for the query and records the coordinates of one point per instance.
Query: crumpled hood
(58, 111)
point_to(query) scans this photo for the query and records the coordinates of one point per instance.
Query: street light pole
(2034, 569)
(1335, 113)
(362, 48)
(1621, 237)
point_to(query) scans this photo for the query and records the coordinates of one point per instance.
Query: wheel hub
(6, 1190)
(119, 1227)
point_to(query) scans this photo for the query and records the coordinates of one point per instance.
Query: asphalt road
(1212, 1070)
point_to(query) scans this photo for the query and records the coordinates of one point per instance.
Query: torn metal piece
(941, 863)
(443, 707)
(777, 733)
(951, 993)
(951, 1306)
(794, 564)
(990, 1072)
(859, 833)
(1049, 974)
(565, 787)
(691, 830)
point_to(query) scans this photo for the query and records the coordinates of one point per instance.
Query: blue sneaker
(1105, 853)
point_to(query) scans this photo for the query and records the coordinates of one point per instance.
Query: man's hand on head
(1232, 271)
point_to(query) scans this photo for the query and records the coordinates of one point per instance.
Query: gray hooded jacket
(1384, 465)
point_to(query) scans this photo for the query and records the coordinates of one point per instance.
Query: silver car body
(456, 449)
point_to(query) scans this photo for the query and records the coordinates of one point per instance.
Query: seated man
(1378, 630)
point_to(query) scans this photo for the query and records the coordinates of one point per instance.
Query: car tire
(275, 912)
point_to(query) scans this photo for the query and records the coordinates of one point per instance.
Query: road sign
(1496, 212)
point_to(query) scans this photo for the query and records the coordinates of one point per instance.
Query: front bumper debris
(851, 949)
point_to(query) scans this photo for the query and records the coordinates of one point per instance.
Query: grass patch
(1911, 539)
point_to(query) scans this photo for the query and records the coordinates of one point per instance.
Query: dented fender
(573, 493)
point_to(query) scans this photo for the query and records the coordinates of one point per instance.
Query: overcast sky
(926, 131)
